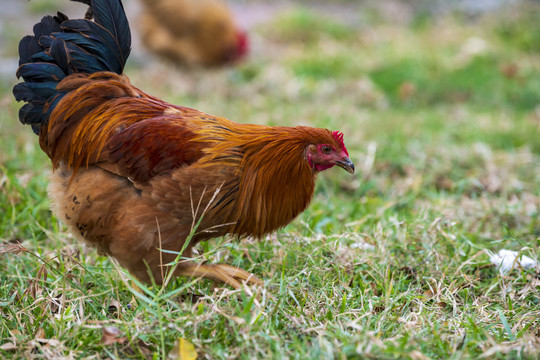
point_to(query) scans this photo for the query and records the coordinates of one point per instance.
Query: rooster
(143, 180)
(192, 32)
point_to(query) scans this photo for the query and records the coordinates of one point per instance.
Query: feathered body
(192, 32)
(134, 174)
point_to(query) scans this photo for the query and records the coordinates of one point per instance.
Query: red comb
(242, 44)
(339, 138)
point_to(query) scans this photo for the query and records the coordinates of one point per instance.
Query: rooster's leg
(240, 274)
(223, 273)
(212, 272)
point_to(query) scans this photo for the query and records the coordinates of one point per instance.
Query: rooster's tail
(60, 47)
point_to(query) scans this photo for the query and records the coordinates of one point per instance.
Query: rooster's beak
(346, 164)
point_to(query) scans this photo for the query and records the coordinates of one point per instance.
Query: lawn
(441, 115)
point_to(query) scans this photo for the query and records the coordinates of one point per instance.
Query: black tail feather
(28, 46)
(59, 51)
(60, 47)
(87, 2)
(111, 15)
(40, 72)
(109, 48)
(47, 25)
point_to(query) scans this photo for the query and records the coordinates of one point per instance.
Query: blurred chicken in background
(192, 32)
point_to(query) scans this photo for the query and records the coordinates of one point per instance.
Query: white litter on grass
(362, 246)
(507, 260)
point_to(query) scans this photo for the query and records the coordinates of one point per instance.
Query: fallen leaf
(9, 346)
(114, 308)
(144, 348)
(40, 335)
(442, 304)
(112, 335)
(428, 294)
(183, 350)
(56, 304)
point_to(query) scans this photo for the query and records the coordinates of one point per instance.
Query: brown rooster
(134, 175)
(192, 32)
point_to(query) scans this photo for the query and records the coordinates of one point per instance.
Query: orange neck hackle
(276, 181)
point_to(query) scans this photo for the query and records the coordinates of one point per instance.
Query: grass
(442, 123)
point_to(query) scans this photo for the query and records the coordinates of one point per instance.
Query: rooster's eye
(326, 149)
